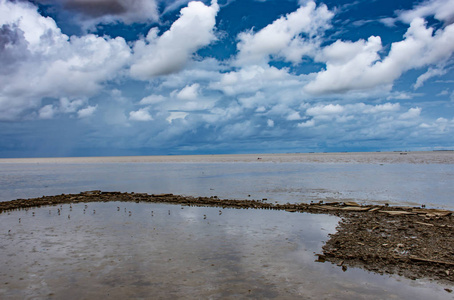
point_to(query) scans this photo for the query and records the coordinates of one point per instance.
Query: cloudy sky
(147, 77)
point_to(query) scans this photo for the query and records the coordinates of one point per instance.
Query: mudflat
(414, 242)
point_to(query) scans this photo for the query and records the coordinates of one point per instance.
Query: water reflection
(127, 250)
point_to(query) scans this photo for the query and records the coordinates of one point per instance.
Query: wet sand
(409, 241)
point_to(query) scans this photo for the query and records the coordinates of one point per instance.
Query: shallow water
(397, 184)
(141, 250)
(196, 252)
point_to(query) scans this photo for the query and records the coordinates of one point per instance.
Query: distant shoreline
(414, 157)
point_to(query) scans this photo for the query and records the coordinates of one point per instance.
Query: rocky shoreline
(413, 242)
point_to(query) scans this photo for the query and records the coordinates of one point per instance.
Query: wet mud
(413, 242)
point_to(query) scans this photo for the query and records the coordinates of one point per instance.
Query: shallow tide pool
(141, 250)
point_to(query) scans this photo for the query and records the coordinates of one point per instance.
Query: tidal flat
(156, 250)
(162, 251)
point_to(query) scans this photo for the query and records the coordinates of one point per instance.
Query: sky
(162, 77)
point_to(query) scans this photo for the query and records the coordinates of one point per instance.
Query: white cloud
(175, 115)
(152, 99)
(65, 106)
(390, 22)
(357, 66)
(330, 109)
(282, 37)
(46, 112)
(254, 78)
(387, 107)
(189, 92)
(346, 65)
(431, 72)
(117, 96)
(170, 52)
(400, 96)
(411, 113)
(253, 101)
(260, 109)
(439, 126)
(308, 123)
(87, 111)
(442, 10)
(443, 92)
(140, 115)
(48, 63)
(68, 106)
(294, 116)
(240, 99)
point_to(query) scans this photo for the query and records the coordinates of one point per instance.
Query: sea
(161, 251)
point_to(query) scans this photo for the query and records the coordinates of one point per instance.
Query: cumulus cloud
(160, 55)
(284, 38)
(47, 63)
(140, 115)
(442, 10)
(46, 74)
(358, 66)
(87, 111)
(46, 112)
(189, 92)
(70, 106)
(251, 79)
(305, 124)
(441, 126)
(411, 113)
(387, 107)
(66, 106)
(329, 109)
(294, 116)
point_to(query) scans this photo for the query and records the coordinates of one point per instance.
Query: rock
(422, 223)
(94, 192)
(355, 208)
(375, 208)
(161, 195)
(351, 203)
(397, 212)
(321, 258)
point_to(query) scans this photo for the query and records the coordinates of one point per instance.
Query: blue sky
(158, 77)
